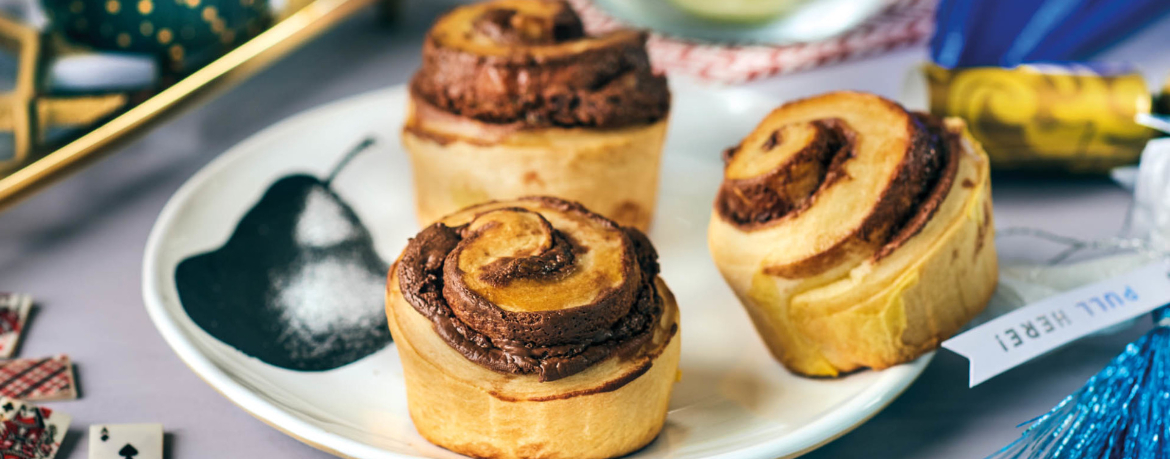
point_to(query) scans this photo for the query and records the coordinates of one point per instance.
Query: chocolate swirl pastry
(540, 312)
(856, 234)
(516, 295)
(514, 99)
(529, 63)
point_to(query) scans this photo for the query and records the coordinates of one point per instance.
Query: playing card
(30, 432)
(126, 441)
(14, 308)
(50, 378)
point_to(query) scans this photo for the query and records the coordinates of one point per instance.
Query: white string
(1075, 245)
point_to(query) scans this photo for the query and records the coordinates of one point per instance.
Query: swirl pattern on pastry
(529, 63)
(828, 213)
(543, 287)
(799, 156)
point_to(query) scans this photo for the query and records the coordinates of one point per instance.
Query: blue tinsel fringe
(1121, 412)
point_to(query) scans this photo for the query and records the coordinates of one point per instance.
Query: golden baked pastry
(534, 328)
(513, 99)
(856, 234)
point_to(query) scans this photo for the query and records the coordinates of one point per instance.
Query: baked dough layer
(611, 409)
(834, 285)
(458, 162)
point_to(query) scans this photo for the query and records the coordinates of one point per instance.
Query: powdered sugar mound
(323, 221)
(328, 299)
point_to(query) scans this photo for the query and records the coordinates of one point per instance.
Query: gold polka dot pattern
(182, 33)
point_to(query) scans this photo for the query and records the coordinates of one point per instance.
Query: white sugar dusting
(323, 221)
(330, 296)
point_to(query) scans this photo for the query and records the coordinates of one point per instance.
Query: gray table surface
(78, 248)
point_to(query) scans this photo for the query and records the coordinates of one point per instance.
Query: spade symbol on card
(8, 406)
(128, 451)
(125, 441)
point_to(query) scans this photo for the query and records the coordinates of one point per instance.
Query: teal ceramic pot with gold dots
(175, 30)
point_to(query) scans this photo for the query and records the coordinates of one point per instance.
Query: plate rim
(836, 423)
(180, 343)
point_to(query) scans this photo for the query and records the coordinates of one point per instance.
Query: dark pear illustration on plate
(298, 285)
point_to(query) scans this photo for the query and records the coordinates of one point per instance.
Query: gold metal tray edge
(235, 66)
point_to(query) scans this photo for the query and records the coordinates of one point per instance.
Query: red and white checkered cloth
(49, 378)
(901, 23)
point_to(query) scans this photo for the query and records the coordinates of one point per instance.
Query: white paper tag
(1021, 335)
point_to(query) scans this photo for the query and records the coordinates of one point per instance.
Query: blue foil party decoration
(1124, 410)
(1007, 33)
(1121, 412)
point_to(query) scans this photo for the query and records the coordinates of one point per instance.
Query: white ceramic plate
(733, 401)
(810, 21)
